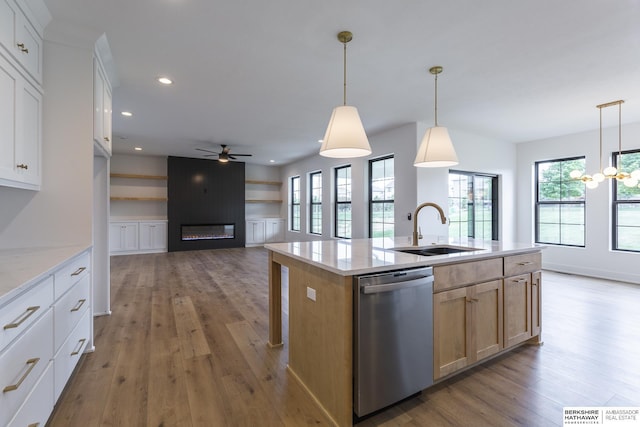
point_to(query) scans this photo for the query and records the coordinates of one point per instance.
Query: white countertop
(21, 268)
(364, 256)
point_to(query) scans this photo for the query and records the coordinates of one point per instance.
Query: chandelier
(610, 172)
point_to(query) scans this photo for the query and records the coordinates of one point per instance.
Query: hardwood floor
(186, 346)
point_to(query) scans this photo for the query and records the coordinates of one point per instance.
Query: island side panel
(320, 337)
(275, 302)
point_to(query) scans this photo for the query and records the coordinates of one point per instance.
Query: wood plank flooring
(186, 346)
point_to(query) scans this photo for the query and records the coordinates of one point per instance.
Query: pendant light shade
(345, 136)
(436, 149)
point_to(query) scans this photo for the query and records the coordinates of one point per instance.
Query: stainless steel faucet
(415, 219)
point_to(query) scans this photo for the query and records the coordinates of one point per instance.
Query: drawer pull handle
(78, 305)
(21, 319)
(472, 300)
(519, 280)
(106, 139)
(22, 48)
(525, 263)
(80, 344)
(78, 271)
(32, 363)
(22, 166)
(34, 425)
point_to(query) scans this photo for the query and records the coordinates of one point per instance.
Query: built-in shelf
(135, 176)
(254, 181)
(144, 199)
(263, 201)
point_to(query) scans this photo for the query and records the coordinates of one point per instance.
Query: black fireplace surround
(206, 204)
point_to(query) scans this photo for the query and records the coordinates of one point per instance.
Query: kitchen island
(486, 301)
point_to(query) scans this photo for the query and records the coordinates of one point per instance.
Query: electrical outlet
(311, 293)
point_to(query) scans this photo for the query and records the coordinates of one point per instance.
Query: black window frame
(495, 202)
(339, 203)
(616, 203)
(371, 201)
(539, 203)
(313, 204)
(295, 205)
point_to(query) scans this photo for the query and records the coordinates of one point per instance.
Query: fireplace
(207, 232)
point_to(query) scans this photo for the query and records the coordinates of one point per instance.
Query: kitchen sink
(436, 250)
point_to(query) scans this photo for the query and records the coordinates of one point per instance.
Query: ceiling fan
(223, 156)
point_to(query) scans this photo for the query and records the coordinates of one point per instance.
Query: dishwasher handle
(419, 281)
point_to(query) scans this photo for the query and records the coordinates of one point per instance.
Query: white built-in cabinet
(43, 332)
(136, 237)
(264, 230)
(20, 97)
(102, 109)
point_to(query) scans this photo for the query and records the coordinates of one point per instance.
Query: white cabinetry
(153, 236)
(21, 39)
(102, 109)
(136, 237)
(36, 325)
(20, 128)
(266, 230)
(123, 236)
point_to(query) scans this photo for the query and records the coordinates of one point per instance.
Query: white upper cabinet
(102, 109)
(21, 39)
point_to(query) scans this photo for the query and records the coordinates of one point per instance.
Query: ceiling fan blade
(242, 154)
(206, 151)
(209, 155)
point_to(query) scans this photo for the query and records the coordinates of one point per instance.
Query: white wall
(61, 212)
(401, 142)
(596, 258)
(475, 154)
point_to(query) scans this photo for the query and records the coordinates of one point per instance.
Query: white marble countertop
(20, 268)
(364, 256)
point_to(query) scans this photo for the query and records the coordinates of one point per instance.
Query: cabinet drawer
(22, 312)
(39, 404)
(23, 363)
(69, 353)
(71, 273)
(457, 275)
(68, 311)
(525, 263)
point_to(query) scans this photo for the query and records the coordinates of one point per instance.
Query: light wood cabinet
(467, 326)
(473, 320)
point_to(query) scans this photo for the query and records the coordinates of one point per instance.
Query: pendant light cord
(344, 94)
(436, 100)
(600, 139)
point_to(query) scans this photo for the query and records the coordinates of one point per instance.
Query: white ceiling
(263, 76)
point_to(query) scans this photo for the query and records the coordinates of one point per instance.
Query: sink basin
(436, 250)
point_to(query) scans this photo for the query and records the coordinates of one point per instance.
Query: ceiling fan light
(436, 149)
(345, 136)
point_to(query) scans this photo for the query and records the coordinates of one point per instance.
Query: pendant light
(610, 172)
(436, 149)
(345, 136)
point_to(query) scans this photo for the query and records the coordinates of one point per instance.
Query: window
(295, 203)
(315, 205)
(473, 205)
(343, 202)
(381, 196)
(626, 206)
(560, 210)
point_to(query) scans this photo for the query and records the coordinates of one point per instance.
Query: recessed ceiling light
(127, 113)
(320, 141)
(165, 80)
(137, 148)
(272, 161)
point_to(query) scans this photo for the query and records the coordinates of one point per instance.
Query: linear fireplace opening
(207, 232)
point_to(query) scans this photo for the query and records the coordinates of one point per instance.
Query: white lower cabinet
(264, 230)
(45, 330)
(137, 237)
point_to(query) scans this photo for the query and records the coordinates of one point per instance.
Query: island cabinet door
(485, 302)
(450, 332)
(517, 309)
(536, 299)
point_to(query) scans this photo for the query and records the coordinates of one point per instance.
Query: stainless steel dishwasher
(393, 337)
